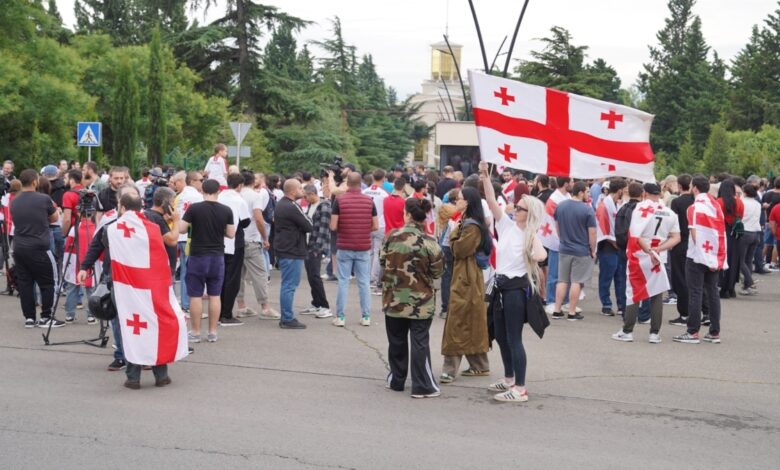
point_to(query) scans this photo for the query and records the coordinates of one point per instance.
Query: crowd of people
(491, 246)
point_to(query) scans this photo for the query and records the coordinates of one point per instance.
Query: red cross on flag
(645, 279)
(707, 243)
(555, 133)
(153, 327)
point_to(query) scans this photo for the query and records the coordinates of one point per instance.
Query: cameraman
(70, 200)
(107, 198)
(34, 263)
(162, 209)
(156, 181)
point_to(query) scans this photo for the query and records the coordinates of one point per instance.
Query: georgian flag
(152, 323)
(107, 218)
(548, 231)
(508, 189)
(606, 211)
(557, 133)
(708, 245)
(72, 258)
(644, 279)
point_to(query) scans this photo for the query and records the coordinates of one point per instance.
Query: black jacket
(291, 226)
(58, 189)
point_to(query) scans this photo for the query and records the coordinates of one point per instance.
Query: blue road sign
(88, 134)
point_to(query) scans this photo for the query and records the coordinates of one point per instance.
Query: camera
(161, 178)
(337, 166)
(86, 203)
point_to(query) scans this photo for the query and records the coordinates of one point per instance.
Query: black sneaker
(607, 312)
(230, 322)
(293, 324)
(679, 321)
(118, 364)
(574, 317)
(706, 320)
(557, 315)
(44, 323)
(29, 323)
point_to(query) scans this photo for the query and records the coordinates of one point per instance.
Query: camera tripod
(102, 340)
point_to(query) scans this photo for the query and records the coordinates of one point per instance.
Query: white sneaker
(245, 312)
(270, 314)
(204, 315)
(549, 309)
(565, 308)
(365, 321)
(309, 311)
(338, 321)
(512, 396)
(654, 338)
(324, 313)
(621, 336)
(500, 386)
(426, 395)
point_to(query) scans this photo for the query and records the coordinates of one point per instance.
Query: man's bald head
(291, 188)
(354, 180)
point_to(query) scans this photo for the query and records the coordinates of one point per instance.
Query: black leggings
(508, 323)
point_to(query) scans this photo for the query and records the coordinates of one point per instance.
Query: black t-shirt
(680, 206)
(158, 219)
(208, 220)
(106, 200)
(544, 195)
(772, 198)
(30, 212)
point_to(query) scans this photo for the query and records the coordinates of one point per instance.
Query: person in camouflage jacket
(411, 261)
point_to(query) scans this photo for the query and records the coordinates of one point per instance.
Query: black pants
(313, 264)
(446, 278)
(508, 324)
(232, 282)
(677, 259)
(729, 277)
(399, 332)
(702, 289)
(31, 267)
(746, 246)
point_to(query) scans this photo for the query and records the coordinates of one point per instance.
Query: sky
(398, 34)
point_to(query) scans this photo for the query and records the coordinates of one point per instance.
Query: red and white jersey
(217, 169)
(154, 330)
(548, 232)
(606, 211)
(653, 222)
(708, 245)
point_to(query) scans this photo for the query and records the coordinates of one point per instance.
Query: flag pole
(460, 78)
(479, 36)
(514, 37)
(498, 52)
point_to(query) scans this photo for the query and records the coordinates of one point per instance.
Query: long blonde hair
(535, 218)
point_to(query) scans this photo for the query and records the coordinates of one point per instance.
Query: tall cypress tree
(125, 117)
(156, 139)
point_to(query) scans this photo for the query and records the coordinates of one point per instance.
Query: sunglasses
(519, 208)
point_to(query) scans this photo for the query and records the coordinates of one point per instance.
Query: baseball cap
(652, 188)
(49, 171)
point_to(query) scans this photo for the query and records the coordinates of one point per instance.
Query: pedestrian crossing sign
(88, 134)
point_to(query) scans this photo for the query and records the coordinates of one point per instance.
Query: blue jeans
(185, 298)
(74, 296)
(608, 268)
(360, 262)
(291, 277)
(119, 352)
(552, 279)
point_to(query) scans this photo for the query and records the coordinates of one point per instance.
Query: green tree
(561, 65)
(688, 158)
(156, 139)
(681, 86)
(717, 150)
(125, 117)
(130, 21)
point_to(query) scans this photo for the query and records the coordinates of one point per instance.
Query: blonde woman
(518, 253)
(669, 189)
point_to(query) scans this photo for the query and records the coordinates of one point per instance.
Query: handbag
(738, 229)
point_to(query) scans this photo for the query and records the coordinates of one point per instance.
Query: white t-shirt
(254, 200)
(235, 202)
(752, 216)
(663, 222)
(217, 169)
(378, 194)
(184, 200)
(142, 184)
(510, 260)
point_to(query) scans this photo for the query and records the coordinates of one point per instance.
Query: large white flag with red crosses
(645, 278)
(556, 133)
(152, 323)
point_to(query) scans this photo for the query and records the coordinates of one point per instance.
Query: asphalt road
(262, 397)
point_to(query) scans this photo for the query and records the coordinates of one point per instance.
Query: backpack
(268, 212)
(623, 223)
(484, 249)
